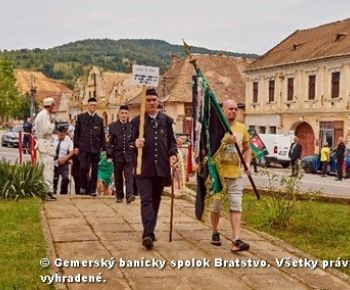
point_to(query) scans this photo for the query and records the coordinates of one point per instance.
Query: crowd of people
(95, 159)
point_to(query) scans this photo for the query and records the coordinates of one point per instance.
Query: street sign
(145, 75)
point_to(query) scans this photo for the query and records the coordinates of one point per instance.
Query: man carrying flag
(229, 169)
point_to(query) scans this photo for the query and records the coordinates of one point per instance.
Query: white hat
(48, 101)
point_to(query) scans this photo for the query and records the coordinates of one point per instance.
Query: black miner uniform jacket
(120, 147)
(89, 134)
(160, 144)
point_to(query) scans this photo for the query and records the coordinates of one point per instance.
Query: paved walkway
(82, 229)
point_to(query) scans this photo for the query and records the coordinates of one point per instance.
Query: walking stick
(70, 179)
(172, 203)
(141, 129)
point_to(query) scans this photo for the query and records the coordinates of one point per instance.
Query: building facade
(111, 89)
(302, 85)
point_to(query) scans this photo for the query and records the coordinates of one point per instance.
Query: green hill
(72, 60)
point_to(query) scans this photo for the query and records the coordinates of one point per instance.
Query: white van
(278, 146)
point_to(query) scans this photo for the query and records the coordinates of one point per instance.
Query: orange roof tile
(328, 40)
(225, 75)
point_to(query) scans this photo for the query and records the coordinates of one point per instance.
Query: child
(104, 175)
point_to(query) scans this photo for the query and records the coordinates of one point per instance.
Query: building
(27, 80)
(225, 75)
(111, 89)
(303, 85)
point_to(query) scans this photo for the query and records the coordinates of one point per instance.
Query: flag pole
(222, 117)
(141, 129)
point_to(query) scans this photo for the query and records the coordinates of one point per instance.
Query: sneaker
(130, 199)
(119, 200)
(147, 242)
(215, 239)
(93, 194)
(50, 197)
(238, 246)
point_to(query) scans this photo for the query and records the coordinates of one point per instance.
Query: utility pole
(165, 89)
(32, 95)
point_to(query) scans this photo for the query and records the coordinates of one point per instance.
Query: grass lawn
(22, 245)
(318, 228)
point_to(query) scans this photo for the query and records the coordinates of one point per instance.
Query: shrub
(282, 204)
(21, 180)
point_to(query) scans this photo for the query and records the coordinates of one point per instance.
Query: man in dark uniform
(121, 149)
(159, 153)
(295, 156)
(89, 139)
(339, 156)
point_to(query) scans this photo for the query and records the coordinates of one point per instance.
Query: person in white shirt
(43, 127)
(64, 152)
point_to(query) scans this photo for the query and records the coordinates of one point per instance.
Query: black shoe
(130, 199)
(239, 245)
(215, 239)
(147, 242)
(119, 200)
(337, 179)
(50, 197)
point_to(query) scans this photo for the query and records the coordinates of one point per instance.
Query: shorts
(234, 193)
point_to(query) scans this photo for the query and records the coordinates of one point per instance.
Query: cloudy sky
(251, 26)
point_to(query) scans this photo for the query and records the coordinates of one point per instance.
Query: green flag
(257, 145)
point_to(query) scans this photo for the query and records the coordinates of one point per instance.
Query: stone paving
(79, 229)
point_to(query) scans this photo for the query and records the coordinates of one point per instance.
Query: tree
(9, 95)
(23, 110)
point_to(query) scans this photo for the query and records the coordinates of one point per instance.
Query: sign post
(145, 76)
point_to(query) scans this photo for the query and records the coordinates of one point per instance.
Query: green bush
(282, 204)
(21, 180)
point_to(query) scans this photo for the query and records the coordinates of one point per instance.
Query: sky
(250, 26)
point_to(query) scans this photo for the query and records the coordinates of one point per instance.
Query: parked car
(11, 137)
(278, 146)
(312, 163)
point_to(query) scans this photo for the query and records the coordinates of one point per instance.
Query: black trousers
(295, 166)
(26, 142)
(340, 168)
(123, 169)
(88, 171)
(62, 171)
(150, 190)
(324, 167)
(254, 163)
(76, 173)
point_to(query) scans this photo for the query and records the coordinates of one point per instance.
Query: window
(251, 128)
(262, 129)
(272, 129)
(89, 95)
(312, 87)
(255, 92)
(290, 89)
(94, 94)
(271, 91)
(335, 84)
